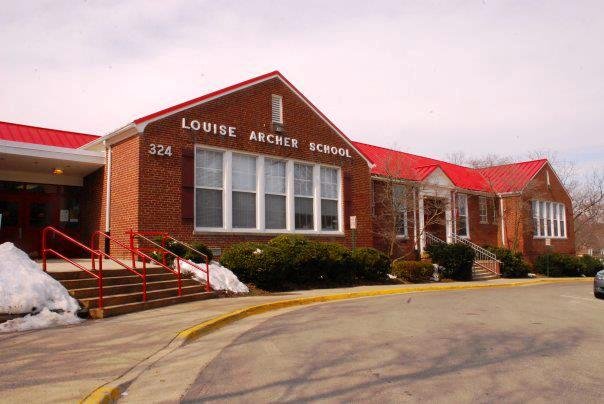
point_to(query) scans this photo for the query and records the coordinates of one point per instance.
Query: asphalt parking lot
(541, 343)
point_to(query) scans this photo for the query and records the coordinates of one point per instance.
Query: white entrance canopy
(35, 163)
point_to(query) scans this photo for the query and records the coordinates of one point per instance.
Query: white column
(449, 220)
(422, 237)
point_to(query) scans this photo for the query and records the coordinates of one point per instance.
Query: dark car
(599, 285)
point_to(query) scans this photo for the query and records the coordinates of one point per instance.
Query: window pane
(274, 211)
(303, 213)
(244, 210)
(329, 214)
(303, 180)
(208, 208)
(535, 208)
(461, 229)
(462, 205)
(329, 183)
(208, 168)
(10, 214)
(274, 174)
(399, 199)
(244, 172)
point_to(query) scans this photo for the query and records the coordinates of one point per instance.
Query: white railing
(432, 239)
(483, 258)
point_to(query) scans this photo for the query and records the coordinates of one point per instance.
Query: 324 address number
(160, 150)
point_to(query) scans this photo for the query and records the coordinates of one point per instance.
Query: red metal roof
(511, 177)
(507, 178)
(44, 136)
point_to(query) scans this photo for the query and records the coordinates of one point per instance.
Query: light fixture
(57, 171)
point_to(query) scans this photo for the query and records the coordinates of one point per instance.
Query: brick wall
(482, 234)
(93, 204)
(539, 190)
(125, 189)
(147, 190)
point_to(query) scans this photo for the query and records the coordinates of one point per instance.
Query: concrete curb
(111, 392)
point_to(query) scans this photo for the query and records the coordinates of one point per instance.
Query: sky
(427, 77)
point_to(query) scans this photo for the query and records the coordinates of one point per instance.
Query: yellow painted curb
(215, 323)
(104, 395)
(111, 392)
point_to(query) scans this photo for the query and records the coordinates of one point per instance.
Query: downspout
(108, 190)
(502, 222)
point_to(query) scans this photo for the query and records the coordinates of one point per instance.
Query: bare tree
(396, 204)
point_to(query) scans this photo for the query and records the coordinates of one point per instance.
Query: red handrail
(96, 236)
(93, 253)
(165, 251)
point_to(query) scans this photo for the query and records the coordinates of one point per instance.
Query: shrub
(370, 264)
(412, 271)
(558, 265)
(512, 264)
(590, 265)
(301, 256)
(253, 262)
(202, 248)
(457, 259)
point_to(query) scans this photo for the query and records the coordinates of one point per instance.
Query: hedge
(558, 265)
(412, 271)
(590, 266)
(457, 259)
(512, 264)
(291, 261)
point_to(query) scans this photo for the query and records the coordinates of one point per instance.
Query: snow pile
(221, 278)
(25, 288)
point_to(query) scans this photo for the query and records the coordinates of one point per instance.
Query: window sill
(268, 232)
(550, 237)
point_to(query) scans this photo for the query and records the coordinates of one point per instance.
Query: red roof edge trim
(54, 130)
(206, 96)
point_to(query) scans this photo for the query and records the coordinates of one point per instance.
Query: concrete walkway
(65, 364)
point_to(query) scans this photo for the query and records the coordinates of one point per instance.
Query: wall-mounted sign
(209, 127)
(256, 136)
(160, 150)
(353, 222)
(327, 149)
(277, 140)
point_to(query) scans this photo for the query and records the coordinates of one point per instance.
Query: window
(303, 194)
(209, 186)
(549, 219)
(536, 222)
(251, 193)
(484, 211)
(399, 203)
(244, 191)
(274, 194)
(277, 108)
(329, 198)
(462, 214)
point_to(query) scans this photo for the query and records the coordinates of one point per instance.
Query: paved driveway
(542, 344)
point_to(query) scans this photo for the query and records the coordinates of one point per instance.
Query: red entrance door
(24, 215)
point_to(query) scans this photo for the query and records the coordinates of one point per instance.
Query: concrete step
(136, 297)
(90, 282)
(108, 273)
(135, 286)
(481, 274)
(115, 310)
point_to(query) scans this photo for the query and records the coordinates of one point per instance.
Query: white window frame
(552, 211)
(482, 205)
(467, 215)
(260, 187)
